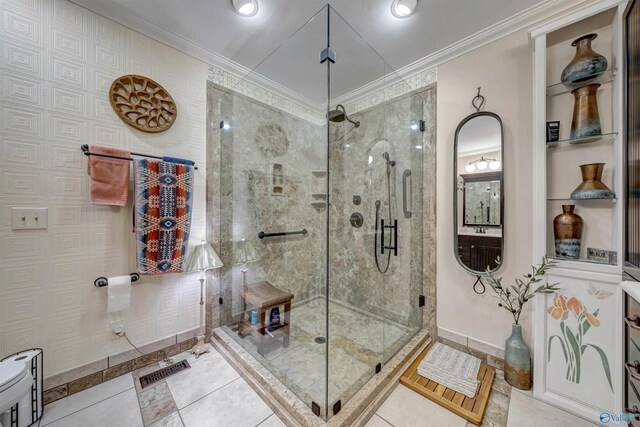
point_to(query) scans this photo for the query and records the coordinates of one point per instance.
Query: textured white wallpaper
(57, 63)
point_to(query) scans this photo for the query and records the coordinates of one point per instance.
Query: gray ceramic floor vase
(591, 186)
(567, 230)
(586, 65)
(517, 360)
(586, 117)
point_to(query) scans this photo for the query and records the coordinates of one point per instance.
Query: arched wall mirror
(479, 193)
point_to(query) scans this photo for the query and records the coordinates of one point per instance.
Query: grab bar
(262, 234)
(406, 201)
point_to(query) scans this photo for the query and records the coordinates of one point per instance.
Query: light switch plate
(28, 218)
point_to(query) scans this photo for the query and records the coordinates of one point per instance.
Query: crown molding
(414, 76)
(585, 10)
(522, 20)
(120, 15)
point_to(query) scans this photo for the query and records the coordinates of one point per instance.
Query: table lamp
(202, 258)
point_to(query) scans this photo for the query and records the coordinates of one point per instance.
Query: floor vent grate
(163, 373)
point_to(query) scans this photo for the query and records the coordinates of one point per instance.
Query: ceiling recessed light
(245, 8)
(403, 8)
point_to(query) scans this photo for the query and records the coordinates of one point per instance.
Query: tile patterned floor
(212, 394)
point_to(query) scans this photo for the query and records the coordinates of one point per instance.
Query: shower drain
(320, 340)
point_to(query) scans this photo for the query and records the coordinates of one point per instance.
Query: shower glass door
(273, 225)
(320, 177)
(375, 213)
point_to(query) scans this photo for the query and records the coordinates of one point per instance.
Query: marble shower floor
(358, 344)
(212, 394)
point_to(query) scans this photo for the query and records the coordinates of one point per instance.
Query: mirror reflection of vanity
(479, 198)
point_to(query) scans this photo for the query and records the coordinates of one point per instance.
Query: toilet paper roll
(119, 293)
(29, 409)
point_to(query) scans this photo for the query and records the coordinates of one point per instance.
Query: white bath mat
(452, 368)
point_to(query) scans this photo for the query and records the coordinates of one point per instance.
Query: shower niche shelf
(318, 205)
(319, 189)
(277, 189)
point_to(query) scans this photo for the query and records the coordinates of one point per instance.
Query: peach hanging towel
(109, 177)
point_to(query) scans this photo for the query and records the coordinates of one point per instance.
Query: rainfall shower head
(340, 115)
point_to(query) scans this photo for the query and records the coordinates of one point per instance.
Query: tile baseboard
(83, 377)
(471, 343)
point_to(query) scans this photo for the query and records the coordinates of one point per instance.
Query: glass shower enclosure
(321, 212)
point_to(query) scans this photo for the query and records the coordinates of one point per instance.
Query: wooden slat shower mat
(470, 409)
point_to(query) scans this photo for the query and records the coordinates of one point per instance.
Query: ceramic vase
(592, 186)
(586, 118)
(586, 65)
(567, 229)
(517, 360)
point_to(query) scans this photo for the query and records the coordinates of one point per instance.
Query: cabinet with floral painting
(578, 331)
(583, 340)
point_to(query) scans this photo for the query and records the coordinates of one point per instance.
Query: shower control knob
(356, 220)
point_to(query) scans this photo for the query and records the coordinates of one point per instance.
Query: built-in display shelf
(584, 264)
(594, 286)
(567, 199)
(560, 88)
(602, 139)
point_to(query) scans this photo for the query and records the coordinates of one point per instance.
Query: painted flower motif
(559, 308)
(577, 308)
(571, 341)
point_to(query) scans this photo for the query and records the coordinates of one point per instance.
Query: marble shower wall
(358, 169)
(297, 263)
(265, 163)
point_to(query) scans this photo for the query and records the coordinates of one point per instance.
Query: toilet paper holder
(103, 281)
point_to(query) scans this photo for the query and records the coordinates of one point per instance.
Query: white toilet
(15, 383)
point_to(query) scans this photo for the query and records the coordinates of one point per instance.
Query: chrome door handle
(636, 367)
(406, 194)
(633, 322)
(636, 415)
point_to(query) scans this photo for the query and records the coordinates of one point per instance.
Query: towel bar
(85, 150)
(103, 281)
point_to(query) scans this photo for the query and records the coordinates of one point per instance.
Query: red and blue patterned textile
(163, 206)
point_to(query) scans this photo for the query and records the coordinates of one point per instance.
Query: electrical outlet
(117, 327)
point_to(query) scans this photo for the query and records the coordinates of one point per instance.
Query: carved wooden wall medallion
(142, 103)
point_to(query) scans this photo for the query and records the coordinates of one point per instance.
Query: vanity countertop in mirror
(489, 232)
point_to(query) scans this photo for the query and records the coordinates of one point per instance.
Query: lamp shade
(203, 257)
(244, 252)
